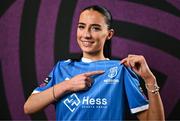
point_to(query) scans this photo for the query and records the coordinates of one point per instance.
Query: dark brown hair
(102, 10)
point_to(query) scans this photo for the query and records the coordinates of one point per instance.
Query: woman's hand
(82, 81)
(138, 64)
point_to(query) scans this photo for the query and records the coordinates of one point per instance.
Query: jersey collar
(87, 60)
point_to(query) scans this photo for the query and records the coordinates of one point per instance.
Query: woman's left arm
(139, 65)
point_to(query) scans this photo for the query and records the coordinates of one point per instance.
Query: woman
(96, 88)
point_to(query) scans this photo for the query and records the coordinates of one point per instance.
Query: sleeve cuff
(139, 109)
(35, 91)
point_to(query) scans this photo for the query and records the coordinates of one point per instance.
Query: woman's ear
(111, 33)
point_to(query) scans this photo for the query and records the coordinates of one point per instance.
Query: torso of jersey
(107, 97)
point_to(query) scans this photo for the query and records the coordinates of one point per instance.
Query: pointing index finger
(93, 73)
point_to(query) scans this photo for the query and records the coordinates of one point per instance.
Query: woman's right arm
(39, 101)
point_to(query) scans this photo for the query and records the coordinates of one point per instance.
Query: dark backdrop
(35, 34)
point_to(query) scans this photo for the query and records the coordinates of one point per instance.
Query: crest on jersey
(112, 72)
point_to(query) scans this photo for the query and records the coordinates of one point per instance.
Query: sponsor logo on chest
(73, 102)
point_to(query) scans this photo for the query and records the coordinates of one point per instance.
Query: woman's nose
(87, 34)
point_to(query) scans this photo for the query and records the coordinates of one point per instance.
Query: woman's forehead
(91, 16)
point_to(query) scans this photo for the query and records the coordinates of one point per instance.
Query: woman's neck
(94, 57)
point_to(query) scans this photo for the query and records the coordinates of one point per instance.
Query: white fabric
(139, 109)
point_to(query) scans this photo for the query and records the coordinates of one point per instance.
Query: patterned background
(34, 34)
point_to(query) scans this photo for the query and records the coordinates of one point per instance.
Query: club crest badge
(113, 72)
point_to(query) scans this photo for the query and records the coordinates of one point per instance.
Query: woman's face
(92, 32)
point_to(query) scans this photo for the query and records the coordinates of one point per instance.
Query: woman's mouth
(87, 43)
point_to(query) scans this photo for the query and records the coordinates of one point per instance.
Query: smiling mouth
(87, 43)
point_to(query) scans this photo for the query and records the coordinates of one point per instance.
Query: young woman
(96, 88)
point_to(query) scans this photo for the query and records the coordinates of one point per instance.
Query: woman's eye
(95, 28)
(80, 27)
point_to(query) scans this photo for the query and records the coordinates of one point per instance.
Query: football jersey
(107, 97)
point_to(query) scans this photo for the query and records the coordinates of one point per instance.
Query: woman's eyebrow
(97, 25)
(81, 23)
(94, 25)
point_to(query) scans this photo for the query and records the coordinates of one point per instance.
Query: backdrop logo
(42, 40)
(72, 102)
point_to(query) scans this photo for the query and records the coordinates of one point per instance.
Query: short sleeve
(136, 99)
(47, 83)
